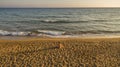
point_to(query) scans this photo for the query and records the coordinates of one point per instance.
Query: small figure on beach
(60, 46)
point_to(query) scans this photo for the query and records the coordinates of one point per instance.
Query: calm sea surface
(59, 22)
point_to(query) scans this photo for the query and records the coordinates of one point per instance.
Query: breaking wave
(52, 33)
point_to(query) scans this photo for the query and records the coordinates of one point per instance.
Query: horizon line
(59, 7)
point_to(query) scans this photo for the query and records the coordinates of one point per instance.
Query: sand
(60, 52)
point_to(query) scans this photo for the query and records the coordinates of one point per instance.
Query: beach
(59, 37)
(60, 52)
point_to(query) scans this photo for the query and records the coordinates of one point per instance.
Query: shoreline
(47, 37)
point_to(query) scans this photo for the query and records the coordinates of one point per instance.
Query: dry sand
(60, 52)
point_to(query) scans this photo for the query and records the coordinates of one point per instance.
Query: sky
(59, 3)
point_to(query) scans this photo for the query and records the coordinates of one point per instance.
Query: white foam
(5, 33)
(50, 20)
(19, 33)
(48, 32)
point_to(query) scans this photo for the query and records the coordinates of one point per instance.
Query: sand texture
(60, 52)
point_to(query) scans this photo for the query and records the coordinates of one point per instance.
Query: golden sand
(60, 52)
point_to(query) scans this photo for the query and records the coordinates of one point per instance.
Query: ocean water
(59, 21)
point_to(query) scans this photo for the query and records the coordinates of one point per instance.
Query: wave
(48, 32)
(100, 20)
(90, 32)
(53, 33)
(63, 21)
(31, 33)
(78, 21)
(8, 33)
(49, 21)
(105, 20)
(57, 21)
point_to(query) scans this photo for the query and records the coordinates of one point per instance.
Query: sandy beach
(60, 52)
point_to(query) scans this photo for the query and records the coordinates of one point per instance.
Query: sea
(59, 22)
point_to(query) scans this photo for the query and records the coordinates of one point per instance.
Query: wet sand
(60, 52)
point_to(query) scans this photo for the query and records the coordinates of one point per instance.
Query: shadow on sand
(32, 51)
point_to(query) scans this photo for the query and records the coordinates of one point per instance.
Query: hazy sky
(59, 3)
